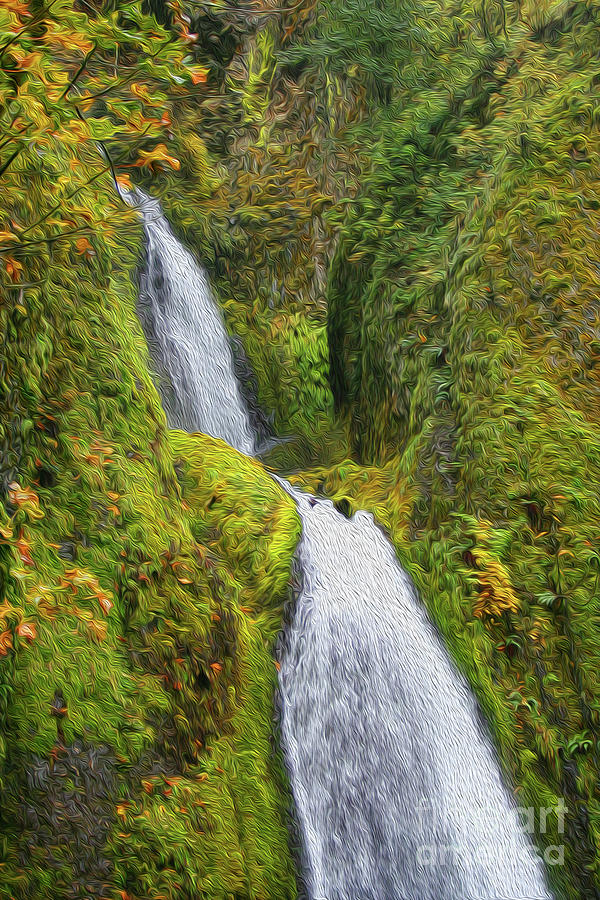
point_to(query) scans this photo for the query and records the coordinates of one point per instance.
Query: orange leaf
(82, 245)
(16, 7)
(124, 181)
(198, 76)
(5, 642)
(217, 667)
(29, 61)
(26, 630)
(105, 603)
(23, 550)
(15, 268)
(98, 629)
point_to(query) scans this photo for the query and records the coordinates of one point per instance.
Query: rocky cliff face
(463, 329)
(136, 668)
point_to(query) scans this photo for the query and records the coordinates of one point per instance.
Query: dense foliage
(397, 204)
(463, 328)
(136, 675)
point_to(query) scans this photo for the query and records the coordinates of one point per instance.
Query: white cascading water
(397, 791)
(187, 338)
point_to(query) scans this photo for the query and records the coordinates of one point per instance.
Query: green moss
(288, 352)
(242, 514)
(135, 691)
(143, 571)
(462, 324)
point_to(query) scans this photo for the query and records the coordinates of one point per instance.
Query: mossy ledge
(137, 757)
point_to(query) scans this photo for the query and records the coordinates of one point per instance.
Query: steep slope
(463, 329)
(136, 745)
(136, 694)
(456, 147)
(464, 326)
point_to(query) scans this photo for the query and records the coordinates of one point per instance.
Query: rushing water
(187, 339)
(397, 791)
(396, 787)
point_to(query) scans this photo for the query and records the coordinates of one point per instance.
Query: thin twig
(83, 229)
(13, 137)
(10, 160)
(247, 10)
(94, 178)
(124, 81)
(72, 83)
(34, 21)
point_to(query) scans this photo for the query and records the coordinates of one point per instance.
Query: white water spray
(397, 791)
(187, 339)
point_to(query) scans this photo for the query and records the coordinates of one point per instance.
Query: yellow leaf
(140, 91)
(160, 154)
(25, 499)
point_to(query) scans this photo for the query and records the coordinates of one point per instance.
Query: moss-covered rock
(463, 323)
(241, 513)
(137, 755)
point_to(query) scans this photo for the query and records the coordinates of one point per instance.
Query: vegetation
(136, 748)
(136, 685)
(462, 323)
(397, 205)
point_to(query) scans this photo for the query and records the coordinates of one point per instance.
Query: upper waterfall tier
(187, 338)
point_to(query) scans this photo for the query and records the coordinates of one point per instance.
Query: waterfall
(397, 791)
(396, 787)
(186, 337)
